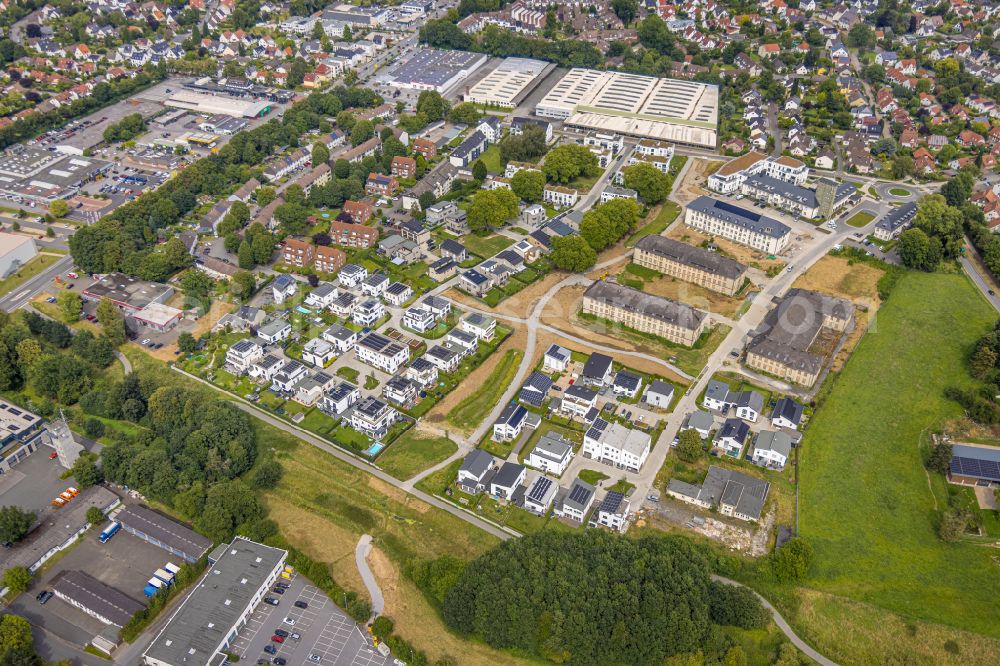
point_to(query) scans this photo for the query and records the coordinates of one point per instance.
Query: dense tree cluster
(607, 223)
(529, 185)
(125, 129)
(569, 161)
(14, 523)
(16, 645)
(124, 240)
(490, 209)
(651, 184)
(980, 403)
(497, 42)
(537, 594)
(938, 228)
(572, 253)
(524, 147)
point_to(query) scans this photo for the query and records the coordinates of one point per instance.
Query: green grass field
(668, 213)
(899, 192)
(860, 219)
(486, 246)
(865, 501)
(491, 158)
(475, 406)
(413, 453)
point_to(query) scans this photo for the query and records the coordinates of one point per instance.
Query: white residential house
(578, 400)
(373, 417)
(381, 352)
(439, 307)
(577, 502)
(510, 423)
(552, 454)
(288, 376)
(659, 394)
(401, 390)
(480, 325)
(540, 494)
(342, 338)
(613, 512)
(339, 398)
(772, 449)
(265, 369)
(700, 421)
(475, 472)
(556, 359)
(507, 480)
(322, 296)
(351, 275)
(464, 343)
(275, 331)
(283, 288)
(343, 305)
(786, 414)
(614, 444)
(749, 405)
(309, 390)
(419, 319)
(716, 396)
(368, 313)
(398, 293)
(319, 352)
(242, 355)
(443, 358)
(423, 372)
(732, 437)
(374, 285)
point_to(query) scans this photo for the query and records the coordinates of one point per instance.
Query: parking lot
(125, 563)
(34, 482)
(319, 634)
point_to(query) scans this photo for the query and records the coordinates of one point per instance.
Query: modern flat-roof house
(613, 512)
(339, 398)
(321, 297)
(507, 480)
(737, 224)
(975, 465)
(318, 352)
(206, 623)
(771, 449)
(644, 312)
(373, 417)
(242, 354)
(626, 384)
(476, 471)
(895, 222)
(351, 275)
(161, 531)
(480, 325)
(342, 338)
(733, 493)
(577, 502)
(381, 352)
(540, 494)
(283, 287)
(552, 453)
(275, 331)
(577, 400)
(614, 444)
(783, 343)
(556, 359)
(691, 264)
(94, 598)
(510, 423)
(786, 414)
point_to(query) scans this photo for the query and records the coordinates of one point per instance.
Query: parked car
(271, 601)
(270, 649)
(279, 661)
(289, 621)
(277, 639)
(281, 632)
(301, 604)
(44, 596)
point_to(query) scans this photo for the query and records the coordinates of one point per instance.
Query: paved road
(980, 283)
(30, 288)
(783, 625)
(361, 559)
(309, 438)
(126, 364)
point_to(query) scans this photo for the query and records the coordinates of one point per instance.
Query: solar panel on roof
(539, 489)
(579, 494)
(736, 210)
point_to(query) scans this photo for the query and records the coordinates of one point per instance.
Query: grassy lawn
(486, 246)
(592, 476)
(491, 158)
(866, 503)
(668, 213)
(585, 183)
(28, 271)
(899, 192)
(860, 219)
(474, 407)
(413, 453)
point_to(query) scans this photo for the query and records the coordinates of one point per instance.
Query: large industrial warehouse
(434, 69)
(213, 105)
(508, 84)
(682, 112)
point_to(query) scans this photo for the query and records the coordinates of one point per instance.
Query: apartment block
(691, 264)
(644, 312)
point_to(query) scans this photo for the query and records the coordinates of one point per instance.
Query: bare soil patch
(517, 340)
(741, 253)
(695, 180)
(695, 295)
(836, 276)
